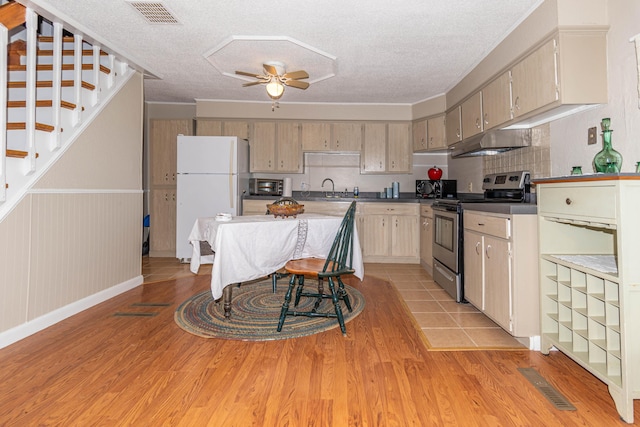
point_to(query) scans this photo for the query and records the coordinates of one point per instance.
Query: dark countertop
(319, 196)
(503, 208)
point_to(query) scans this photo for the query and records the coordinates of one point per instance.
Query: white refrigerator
(212, 175)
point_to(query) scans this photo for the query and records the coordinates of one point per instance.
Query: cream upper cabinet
(399, 148)
(496, 101)
(208, 127)
(236, 128)
(289, 148)
(471, 116)
(374, 150)
(420, 137)
(346, 136)
(453, 126)
(316, 136)
(276, 147)
(263, 147)
(436, 133)
(324, 136)
(386, 148)
(534, 80)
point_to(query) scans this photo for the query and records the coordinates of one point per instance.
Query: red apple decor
(435, 173)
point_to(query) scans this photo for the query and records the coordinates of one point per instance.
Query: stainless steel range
(448, 257)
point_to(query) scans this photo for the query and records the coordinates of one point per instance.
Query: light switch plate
(592, 136)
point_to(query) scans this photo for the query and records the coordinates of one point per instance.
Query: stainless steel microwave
(265, 187)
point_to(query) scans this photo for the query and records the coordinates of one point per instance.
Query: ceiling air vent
(154, 12)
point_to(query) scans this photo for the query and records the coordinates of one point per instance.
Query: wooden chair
(338, 263)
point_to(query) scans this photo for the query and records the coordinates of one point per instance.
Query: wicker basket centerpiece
(285, 207)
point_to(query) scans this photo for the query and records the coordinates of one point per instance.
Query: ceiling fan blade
(244, 73)
(270, 69)
(295, 75)
(259, 82)
(297, 84)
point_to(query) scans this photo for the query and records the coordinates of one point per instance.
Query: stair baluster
(4, 41)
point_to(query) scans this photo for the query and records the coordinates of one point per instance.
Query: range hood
(493, 142)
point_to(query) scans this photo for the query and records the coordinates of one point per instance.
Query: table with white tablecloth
(250, 247)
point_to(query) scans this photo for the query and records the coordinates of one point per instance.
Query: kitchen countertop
(503, 208)
(319, 196)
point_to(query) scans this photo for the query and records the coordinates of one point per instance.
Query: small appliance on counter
(266, 187)
(440, 189)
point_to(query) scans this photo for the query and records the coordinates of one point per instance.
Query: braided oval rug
(255, 311)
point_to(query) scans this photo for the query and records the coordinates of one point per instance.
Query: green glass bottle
(607, 160)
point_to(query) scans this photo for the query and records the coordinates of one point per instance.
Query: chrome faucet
(333, 188)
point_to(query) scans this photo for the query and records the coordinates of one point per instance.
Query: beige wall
(78, 232)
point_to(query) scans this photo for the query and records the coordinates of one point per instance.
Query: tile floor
(445, 323)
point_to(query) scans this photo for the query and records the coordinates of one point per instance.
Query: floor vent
(151, 304)
(126, 314)
(154, 12)
(547, 390)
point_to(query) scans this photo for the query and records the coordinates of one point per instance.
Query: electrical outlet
(592, 136)
(470, 187)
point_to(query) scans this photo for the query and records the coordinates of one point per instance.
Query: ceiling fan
(275, 78)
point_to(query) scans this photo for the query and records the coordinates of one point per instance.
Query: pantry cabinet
(590, 276)
(276, 147)
(390, 232)
(386, 148)
(500, 273)
(163, 137)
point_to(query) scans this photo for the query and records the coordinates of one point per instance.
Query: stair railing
(4, 41)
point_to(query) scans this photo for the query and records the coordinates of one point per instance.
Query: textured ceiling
(374, 51)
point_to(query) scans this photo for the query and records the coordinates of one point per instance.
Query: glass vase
(607, 160)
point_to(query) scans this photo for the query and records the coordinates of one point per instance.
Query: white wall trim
(82, 191)
(36, 325)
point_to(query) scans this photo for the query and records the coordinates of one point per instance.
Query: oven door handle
(446, 274)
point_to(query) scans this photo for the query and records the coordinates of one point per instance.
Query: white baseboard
(38, 324)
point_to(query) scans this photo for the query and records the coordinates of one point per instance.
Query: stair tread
(18, 153)
(49, 83)
(49, 67)
(65, 52)
(23, 126)
(41, 103)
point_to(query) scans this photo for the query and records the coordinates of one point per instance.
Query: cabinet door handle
(486, 120)
(486, 251)
(477, 247)
(568, 201)
(517, 103)
(478, 123)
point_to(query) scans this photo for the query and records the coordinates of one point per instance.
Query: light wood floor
(97, 369)
(446, 324)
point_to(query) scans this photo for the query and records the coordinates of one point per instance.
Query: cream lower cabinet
(426, 237)
(390, 232)
(500, 269)
(590, 278)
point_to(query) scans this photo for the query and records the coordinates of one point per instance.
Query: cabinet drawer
(390, 208)
(591, 202)
(426, 210)
(486, 224)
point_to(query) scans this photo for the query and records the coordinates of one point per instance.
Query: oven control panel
(506, 181)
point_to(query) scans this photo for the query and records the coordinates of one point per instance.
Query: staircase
(56, 82)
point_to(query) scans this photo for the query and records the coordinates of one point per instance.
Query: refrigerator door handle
(232, 194)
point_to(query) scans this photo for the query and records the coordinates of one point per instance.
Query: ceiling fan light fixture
(275, 89)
